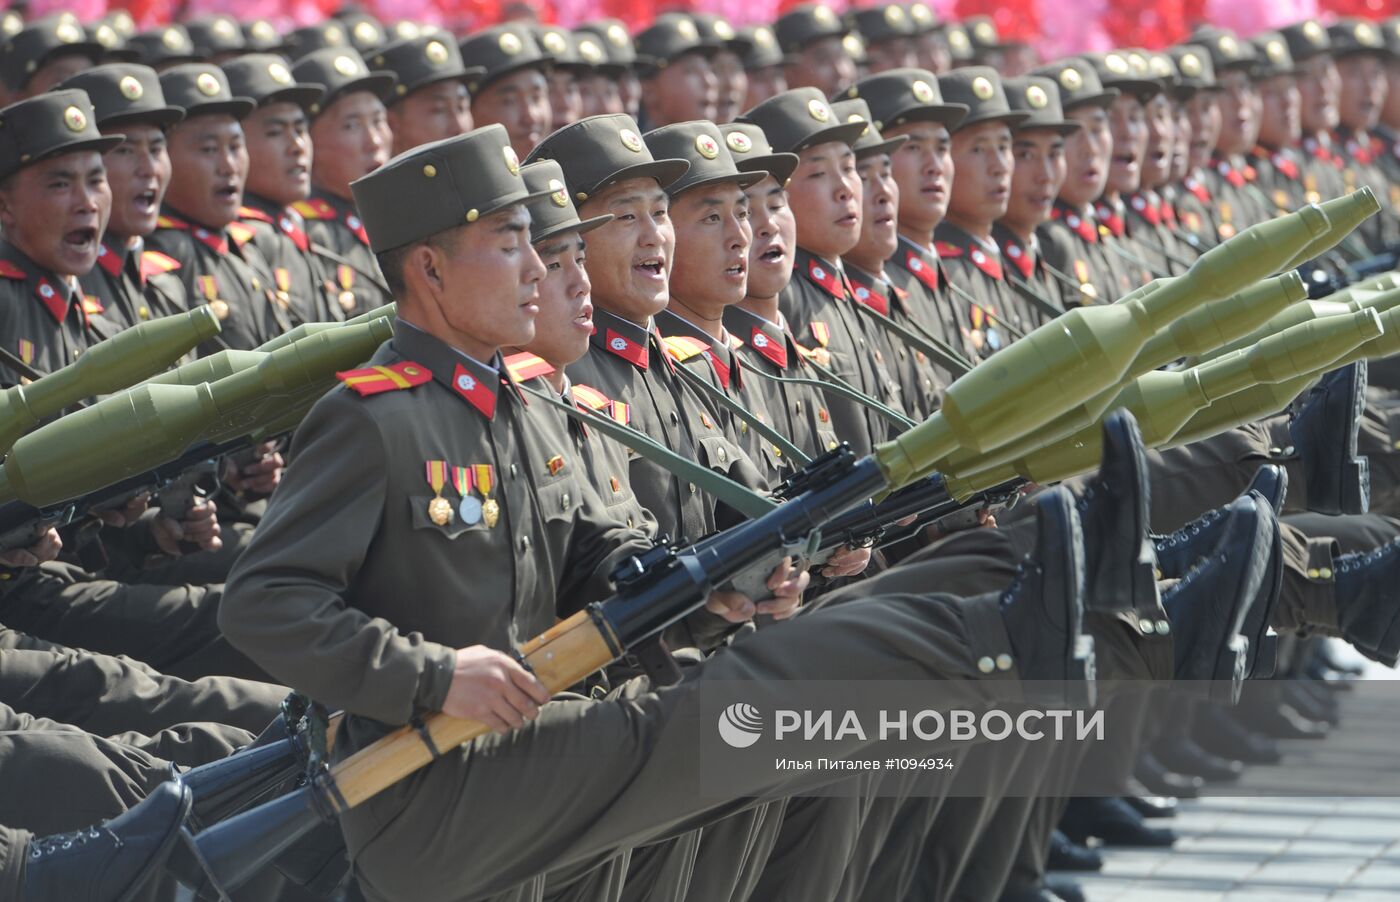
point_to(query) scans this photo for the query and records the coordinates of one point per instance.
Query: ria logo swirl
(740, 725)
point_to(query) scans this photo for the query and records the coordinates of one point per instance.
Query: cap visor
(779, 165)
(883, 147)
(581, 226)
(949, 115)
(380, 84)
(1065, 128)
(1011, 119)
(741, 178)
(164, 117)
(303, 95)
(846, 133)
(666, 173)
(543, 63)
(238, 107)
(101, 145)
(1102, 101)
(1137, 87)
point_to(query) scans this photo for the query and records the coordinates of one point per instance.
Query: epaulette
(526, 366)
(375, 379)
(92, 305)
(315, 208)
(947, 251)
(252, 213)
(10, 270)
(683, 347)
(170, 222)
(240, 233)
(590, 397)
(154, 263)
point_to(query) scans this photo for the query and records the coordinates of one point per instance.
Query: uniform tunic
(131, 285)
(299, 287)
(921, 383)
(339, 241)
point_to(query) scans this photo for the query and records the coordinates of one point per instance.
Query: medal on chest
(485, 476)
(469, 507)
(439, 509)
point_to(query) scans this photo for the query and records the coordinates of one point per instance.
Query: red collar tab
(1230, 173)
(1147, 210)
(987, 263)
(1110, 218)
(724, 372)
(1080, 225)
(54, 300)
(109, 260)
(633, 352)
(923, 271)
(353, 223)
(1285, 165)
(867, 294)
(292, 229)
(1194, 185)
(775, 350)
(215, 242)
(825, 276)
(1019, 258)
(478, 392)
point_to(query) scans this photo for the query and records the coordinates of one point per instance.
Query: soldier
(674, 65)
(1070, 241)
(609, 170)
(279, 175)
(1360, 54)
(931, 44)
(908, 103)
(1237, 202)
(824, 192)
(728, 65)
(1276, 158)
(217, 39)
(865, 263)
(621, 56)
(199, 227)
(163, 47)
(130, 284)
(566, 67)
(430, 100)
(810, 37)
(1151, 216)
(888, 32)
(44, 53)
(513, 89)
(307, 39)
(982, 164)
(1389, 126)
(350, 131)
(1318, 88)
(763, 64)
(598, 88)
(1038, 146)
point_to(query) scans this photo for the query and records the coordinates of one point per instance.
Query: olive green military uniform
(130, 286)
(299, 290)
(996, 315)
(1361, 153)
(1152, 222)
(1026, 271)
(1070, 245)
(919, 273)
(1130, 253)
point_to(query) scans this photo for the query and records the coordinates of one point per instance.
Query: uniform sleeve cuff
(435, 679)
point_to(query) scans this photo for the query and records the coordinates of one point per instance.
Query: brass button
(722, 455)
(1325, 573)
(986, 664)
(692, 488)
(513, 471)
(1145, 625)
(675, 418)
(564, 502)
(1003, 661)
(1313, 573)
(1163, 627)
(798, 406)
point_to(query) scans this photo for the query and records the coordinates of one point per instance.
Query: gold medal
(440, 511)
(346, 300)
(490, 512)
(220, 308)
(484, 475)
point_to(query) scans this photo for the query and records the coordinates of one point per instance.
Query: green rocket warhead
(305, 329)
(1303, 312)
(1345, 214)
(1204, 328)
(1379, 300)
(1383, 345)
(1085, 352)
(109, 366)
(1164, 402)
(137, 430)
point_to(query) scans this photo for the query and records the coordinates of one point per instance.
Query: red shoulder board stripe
(375, 379)
(947, 251)
(526, 366)
(9, 270)
(154, 263)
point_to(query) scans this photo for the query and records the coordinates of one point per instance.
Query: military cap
(439, 186)
(261, 36)
(267, 78)
(763, 50)
(983, 34)
(871, 142)
(404, 29)
(40, 41)
(1036, 96)
(669, 37)
(801, 118)
(881, 23)
(807, 24)
(310, 38)
(11, 23)
(854, 45)
(1078, 84)
(500, 51)
(113, 43)
(1115, 70)
(366, 33)
(1391, 30)
(168, 45)
(561, 48)
(1226, 49)
(749, 148)
(979, 89)
(701, 145)
(46, 126)
(125, 92)
(1306, 39)
(959, 42)
(552, 212)
(1272, 56)
(718, 30)
(921, 15)
(898, 96)
(1163, 68)
(615, 39)
(212, 35)
(1353, 36)
(201, 89)
(422, 61)
(593, 53)
(1195, 71)
(341, 71)
(598, 151)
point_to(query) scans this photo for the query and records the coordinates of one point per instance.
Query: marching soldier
(599, 91)
(675, 65)
(512, 89)
(728, 65)
(1360, 54)
(1151, 212)
(763, 64)
(621, 57)
(44, 53)
(1311, 49)
(566, 66)
(888, 32)
(351, 136)
(199, 228)
(430, 101)
(810, 37)
(130, 284)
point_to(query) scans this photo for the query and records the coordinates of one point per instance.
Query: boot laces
(1358, 559)
(62, 842)
(1192, 529)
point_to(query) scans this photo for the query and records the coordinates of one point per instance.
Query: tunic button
(986, 665)
(743, 427)
(798, 406)
(524, 543)
(629, 522)
(675, 418)
(831, 444)
(692, 488)
(564, 502)
(1003, 662)
(76, 353)
(722, 455)
(1325, 573)
(513, 471)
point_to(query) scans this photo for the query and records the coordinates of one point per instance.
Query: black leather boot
(1043, 608)
(1067, 855)
(1367, 606)
(1163, 781)
(111, 862)
(1220, 732)
(1111, 820)
(1324, 430)
(1183, 755)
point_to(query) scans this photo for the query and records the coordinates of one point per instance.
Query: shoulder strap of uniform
(683, 347)
(10, 270)
(526, 366)
(315, 208)
(154, 263)
(240, 232)
(372, 380)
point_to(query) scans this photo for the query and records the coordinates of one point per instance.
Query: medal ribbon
(436, 471)
(462, 480)
(485, 478)
(346, 276)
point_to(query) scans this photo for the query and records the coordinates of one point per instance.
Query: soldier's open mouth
(652, 268)
(81, 238)
(145, 201)
(773, 255)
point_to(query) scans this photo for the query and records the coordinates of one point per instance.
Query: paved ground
(1272, 847)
